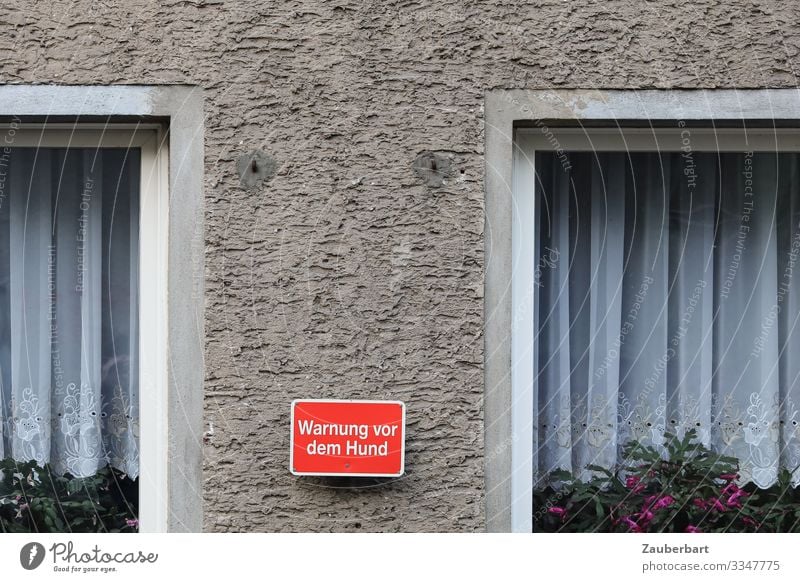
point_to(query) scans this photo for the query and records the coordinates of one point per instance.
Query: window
(665, 302)
(83, 214)
(166, 124)
(636, 184)
(662, 294)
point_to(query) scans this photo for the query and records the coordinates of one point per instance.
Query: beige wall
(345, 275)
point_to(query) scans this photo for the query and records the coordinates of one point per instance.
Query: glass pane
(69, 402)
(667, 308)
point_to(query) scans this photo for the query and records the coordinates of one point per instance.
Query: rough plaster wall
(346, 276)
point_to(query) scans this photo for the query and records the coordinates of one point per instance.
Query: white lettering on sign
(317, 429)
(315, 448)
(310, 427)
(352, 448)
(384, 429)
(372, 450)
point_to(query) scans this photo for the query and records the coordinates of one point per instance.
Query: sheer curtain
(666, 302)
(68, 308)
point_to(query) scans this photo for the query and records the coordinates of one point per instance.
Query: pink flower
(646, 516)
(729, 489)
(558, 511)
(733, 500)
(664, 502)
(692, 529)
(23, 507)
(750, 521)
(729, 477)
(132, 523)
(632, 525)
(635, 484)
(716, 504)
(700, 503)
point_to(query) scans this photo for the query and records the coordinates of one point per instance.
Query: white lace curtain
(666, 301)
(68, 308)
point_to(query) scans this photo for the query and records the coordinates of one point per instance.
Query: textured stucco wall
(345, 275)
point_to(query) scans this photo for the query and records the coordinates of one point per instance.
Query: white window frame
(153, 261)
(529, 141)
(509, 113)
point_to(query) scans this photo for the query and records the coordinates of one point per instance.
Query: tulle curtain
(666, 302)
(68, 308)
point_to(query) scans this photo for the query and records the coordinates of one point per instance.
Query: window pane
(68, 318)
(667, 304)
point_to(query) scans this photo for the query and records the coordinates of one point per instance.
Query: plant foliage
(684, 488)
(36, 499)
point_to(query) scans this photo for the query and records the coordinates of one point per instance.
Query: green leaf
(688, 471)
(60, 502)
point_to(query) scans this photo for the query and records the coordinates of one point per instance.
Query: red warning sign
(356, 438)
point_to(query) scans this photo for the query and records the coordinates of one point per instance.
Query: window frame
(152, 291)
(171, 264)
(518, 123)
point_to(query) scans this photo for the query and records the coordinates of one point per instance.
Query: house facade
(340, 215)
